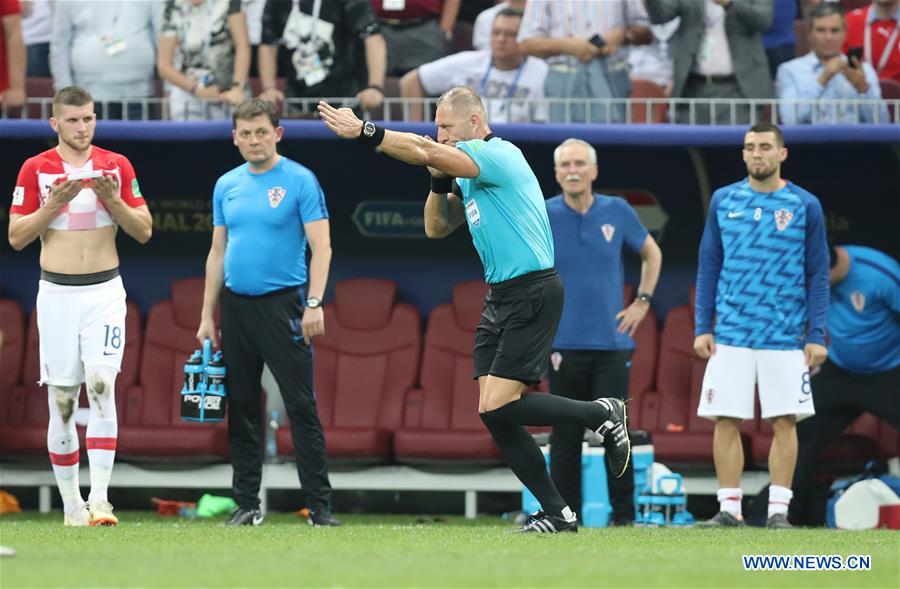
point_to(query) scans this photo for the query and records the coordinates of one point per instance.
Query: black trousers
(266, 330)
(840, 397)
(585, 375)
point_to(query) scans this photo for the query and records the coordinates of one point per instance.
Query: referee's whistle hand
(705, 346)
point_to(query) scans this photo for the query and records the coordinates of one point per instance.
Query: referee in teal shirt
(264, 211)
(500, 200)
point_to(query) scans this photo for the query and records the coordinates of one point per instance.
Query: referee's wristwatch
(643, 296)
(314, 303)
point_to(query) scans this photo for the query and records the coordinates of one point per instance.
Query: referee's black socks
(525, 459)
(542, 410)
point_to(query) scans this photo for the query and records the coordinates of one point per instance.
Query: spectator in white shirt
(510, 83)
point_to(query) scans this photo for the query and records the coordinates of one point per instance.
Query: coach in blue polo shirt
(264, 211)
(862, 373)
(592, 351)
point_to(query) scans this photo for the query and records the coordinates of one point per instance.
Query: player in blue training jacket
(764, 274)
(862, 373)
(500, 199)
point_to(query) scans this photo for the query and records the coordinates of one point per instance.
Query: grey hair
(592, 153)
(463, 100)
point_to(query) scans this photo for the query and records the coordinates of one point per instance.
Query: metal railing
(691, 111)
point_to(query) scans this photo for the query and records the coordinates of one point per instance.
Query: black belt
(405, 23)
(534, 276)
(714, 79)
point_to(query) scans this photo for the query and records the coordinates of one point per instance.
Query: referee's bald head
(464, 101)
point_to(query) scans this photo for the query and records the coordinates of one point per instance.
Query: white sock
(779, 499)
(62, 444)
(730, 501)
(568, 514)
(102, 430)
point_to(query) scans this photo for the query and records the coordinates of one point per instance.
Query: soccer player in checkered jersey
(74, 197)
(763, 273)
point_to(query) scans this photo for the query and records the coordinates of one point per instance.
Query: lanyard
(186, 21)
(317, 9)
(886, 52)
(513, 86)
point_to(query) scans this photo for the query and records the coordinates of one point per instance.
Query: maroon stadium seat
(12, 325)
(150, 424)
(364, 366)
(441, 420)
(648, 89)
(23, 410)
(643, 363)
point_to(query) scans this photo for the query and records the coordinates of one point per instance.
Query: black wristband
(375, 87)
(371, 134)
(441, 185)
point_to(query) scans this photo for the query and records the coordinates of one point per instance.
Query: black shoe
(322, 518)
(614, 433)
(243, 516)
(723, 519)
(541, 523)
(779, 521)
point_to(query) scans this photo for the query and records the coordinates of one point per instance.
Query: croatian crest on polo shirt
(608, 231)
(858, 300)
(783, 218)
(276, 195)
(555, 360)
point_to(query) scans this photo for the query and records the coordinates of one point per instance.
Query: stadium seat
(859, 443)
(39, 88)
(890, 90)
(23, 410)
(643, 363)
(647, 89)
(462, 37)
(12, 325)
(150, 424)
(440, 420)
(801, 31)
(670, 412)
(365, 364)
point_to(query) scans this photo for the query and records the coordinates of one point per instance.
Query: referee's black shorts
(517, 327)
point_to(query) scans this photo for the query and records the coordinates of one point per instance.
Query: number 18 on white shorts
(732, 373)
(80, 326)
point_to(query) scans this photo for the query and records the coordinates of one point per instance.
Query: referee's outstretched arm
(406, 147)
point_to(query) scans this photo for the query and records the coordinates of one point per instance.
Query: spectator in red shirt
(874, 28)
(12, 55)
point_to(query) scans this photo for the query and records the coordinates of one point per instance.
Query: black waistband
(535, 276)
(714, 79)
(275, 293)
(79, 279)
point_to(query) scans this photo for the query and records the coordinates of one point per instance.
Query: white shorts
(732, 372)
(80, 326)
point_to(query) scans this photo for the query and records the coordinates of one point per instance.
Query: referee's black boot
(614, 433)
(322, 518)
(544, 523)
(243, 516)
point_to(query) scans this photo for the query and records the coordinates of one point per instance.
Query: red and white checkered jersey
(85, 211)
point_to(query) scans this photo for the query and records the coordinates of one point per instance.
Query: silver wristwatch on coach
(313, 303)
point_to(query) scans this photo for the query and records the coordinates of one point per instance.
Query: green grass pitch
(395, 551)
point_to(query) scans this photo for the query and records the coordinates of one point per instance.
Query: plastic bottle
(215, 374)
(193, 372)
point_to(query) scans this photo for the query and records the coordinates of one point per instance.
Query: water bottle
(215, 375)
(272, 430)
(193, 372)
(214, 400)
